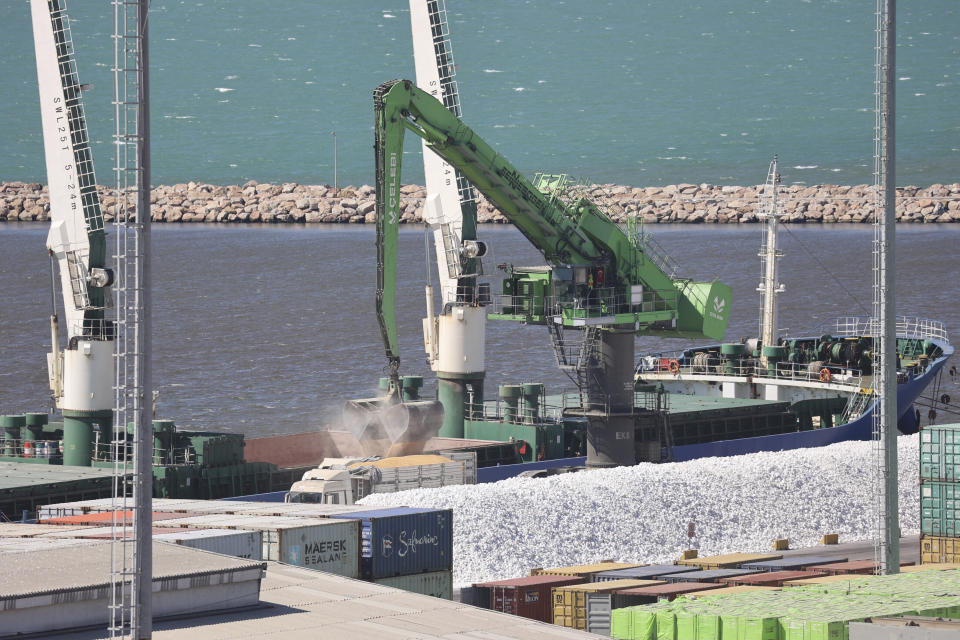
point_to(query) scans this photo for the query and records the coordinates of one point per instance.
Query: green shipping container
(666, 625)
(940, 509)
(940, 453)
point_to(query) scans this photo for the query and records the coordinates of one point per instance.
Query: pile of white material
(641, 513)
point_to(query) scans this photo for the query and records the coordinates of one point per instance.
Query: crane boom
(81, 375)
(450, 208)
(599, 274)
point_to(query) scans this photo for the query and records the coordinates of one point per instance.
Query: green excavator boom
(598, 273)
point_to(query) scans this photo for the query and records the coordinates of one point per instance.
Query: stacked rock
(290, 202)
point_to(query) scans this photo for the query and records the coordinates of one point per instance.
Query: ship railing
(682, 366)
(500, 411)
(41, 449)
(587, 303)
(606, 301)
(907, 327)
(97, 329)
(104, 452)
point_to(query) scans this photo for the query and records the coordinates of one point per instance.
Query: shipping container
(101, 533)
(769, 578)
(940, 453)
(103, 518)
(323, 544)
(400, 541)
(570, 602)
(438, 584)
(726, 591)
(236, 507)
(943, 566)
(669, 591)
(850, 566)
(307, 510)
(20, 530)
(706, 575)
(22, 545)
(728, 560)
(822, 579)
(527, 597)
(934, 549)
(940, 509)
(584, 570)
(600, 608)
(228, 542)
(646, 572)
(791, 563)
(98, 505)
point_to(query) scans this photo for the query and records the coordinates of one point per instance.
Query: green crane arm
(568, 235)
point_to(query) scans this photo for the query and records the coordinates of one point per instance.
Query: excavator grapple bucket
(385, 427)
(410, 424)
(362, 419)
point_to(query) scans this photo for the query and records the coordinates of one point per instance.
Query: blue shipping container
(403, 540)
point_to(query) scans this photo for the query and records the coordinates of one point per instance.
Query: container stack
(410, 549)
(814, 612)
(406, 548)
(940, 493)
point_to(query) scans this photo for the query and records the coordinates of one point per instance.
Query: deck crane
(606, 284)
(455, 338)
(81, 375)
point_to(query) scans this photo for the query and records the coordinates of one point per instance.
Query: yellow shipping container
(570, 603)
(728, 560)
(844, 577)
(940, 566)
(935, 550)
(584, 570)
(740, 588)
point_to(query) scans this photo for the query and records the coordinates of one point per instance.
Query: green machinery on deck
(186, 464)
(605, 282)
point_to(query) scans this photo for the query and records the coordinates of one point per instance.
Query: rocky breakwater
(682, 203)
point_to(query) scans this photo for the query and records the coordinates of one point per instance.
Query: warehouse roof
(301, 603)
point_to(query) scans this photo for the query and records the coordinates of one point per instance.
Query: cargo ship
(772, 393)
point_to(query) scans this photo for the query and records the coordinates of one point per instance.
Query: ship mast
(884, 301)
(770, 211)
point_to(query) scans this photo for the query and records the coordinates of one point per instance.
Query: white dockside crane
(101, 376)
(81, 375)
(455, 338)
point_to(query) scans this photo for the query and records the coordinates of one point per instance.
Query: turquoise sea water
(639, 92)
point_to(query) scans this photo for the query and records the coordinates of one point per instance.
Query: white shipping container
(21, 545)
(76, 508)
(19, 530)
(229, 542)
(100, 505)
(64, 533)
(438, 584)
(315, 543)
(307, 510)
(206, 506)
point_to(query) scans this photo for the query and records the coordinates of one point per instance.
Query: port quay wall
(253, 202)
